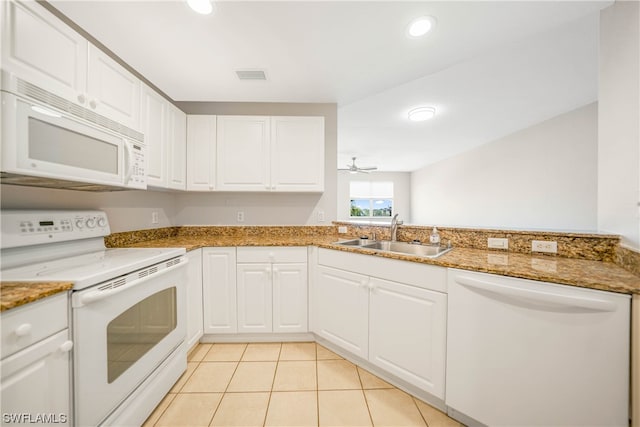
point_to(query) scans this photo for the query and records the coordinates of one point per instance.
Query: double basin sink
(428, 251)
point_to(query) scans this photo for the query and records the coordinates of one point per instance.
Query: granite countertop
(600, 275)
(15, 294)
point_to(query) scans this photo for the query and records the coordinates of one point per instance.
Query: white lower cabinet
(194, 298)
(392, 313)
(290, 299)
(255, 290)
(254, 298)
(35, 365)
(341, 307)
(272, 289)
(407, 333)
(219, 290)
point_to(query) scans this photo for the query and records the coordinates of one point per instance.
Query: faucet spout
(394, 227)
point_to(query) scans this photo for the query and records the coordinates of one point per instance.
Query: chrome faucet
(394, 227)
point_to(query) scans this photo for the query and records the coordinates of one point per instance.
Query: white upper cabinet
(201, 153)
(297, 153)
(154, 113)
(165, 132)
(112, 91)
(243, 153)
(260, 153)
(40, 49)
(176, 148)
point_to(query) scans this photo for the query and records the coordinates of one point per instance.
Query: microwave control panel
(139, 174)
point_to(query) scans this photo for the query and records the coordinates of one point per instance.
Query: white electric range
(128, 309)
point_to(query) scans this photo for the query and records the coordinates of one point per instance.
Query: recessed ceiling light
(203, 7)
(421, 114)
(420, 26)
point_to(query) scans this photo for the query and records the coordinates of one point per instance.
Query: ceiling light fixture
(203, 7)
(420, 26)
(421, 114)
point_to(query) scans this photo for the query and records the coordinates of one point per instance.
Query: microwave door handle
(89, 297)
(129, 161)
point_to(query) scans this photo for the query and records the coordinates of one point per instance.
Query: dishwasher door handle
(550, 299)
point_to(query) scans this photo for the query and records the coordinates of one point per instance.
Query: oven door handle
(98, 295)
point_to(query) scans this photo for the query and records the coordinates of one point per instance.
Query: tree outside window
(371, 199)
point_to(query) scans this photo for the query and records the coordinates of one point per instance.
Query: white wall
(543, 177)
(401, 192)
(126, 210)
(619, 122)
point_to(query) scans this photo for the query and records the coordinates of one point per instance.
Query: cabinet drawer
(411, 273)
(33, 322)
(272, 254)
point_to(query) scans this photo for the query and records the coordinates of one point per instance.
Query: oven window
(51, 143)
(138, 329)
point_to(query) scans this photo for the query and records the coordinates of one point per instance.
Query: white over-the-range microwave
(51, 142)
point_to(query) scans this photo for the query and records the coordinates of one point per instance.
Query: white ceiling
(489, 68)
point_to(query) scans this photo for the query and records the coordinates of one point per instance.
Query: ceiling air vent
(251, 74)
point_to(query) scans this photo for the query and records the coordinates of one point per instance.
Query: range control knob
(102, 222)
(91, 222)
(79, 223)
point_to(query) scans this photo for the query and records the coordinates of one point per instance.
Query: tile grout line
(364, 395)
(227, 387)
(419, 411)
(266, 412)
(317, 385)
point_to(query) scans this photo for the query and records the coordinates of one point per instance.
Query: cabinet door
(194, 298)
(39, 48)
(201, 153)
(154, 113)
(176, 148)
(297, 153)
(290, 298)
(112, 91)
(407, 333)
(243, 153)
(37, 381)
(219, 290)
(341, 307)
(254, 298)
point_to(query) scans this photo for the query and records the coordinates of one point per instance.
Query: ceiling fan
(352, 168)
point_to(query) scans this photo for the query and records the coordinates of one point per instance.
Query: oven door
(123, 329)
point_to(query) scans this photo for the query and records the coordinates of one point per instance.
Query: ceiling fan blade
(372, 168)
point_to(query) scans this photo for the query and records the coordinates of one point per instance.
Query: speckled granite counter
(15, 294)
(576, 272)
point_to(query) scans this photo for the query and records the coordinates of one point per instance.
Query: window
(370, 199)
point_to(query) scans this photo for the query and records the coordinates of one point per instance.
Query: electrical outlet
(154, 218)
(240, 216)
(548, 246)
(320, 216)
(342, 229)
(498, 243)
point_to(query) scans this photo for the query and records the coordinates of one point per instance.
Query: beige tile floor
(285, 384)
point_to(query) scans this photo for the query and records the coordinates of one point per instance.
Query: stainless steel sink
(354, 242)
(408, 248)
(398, 247)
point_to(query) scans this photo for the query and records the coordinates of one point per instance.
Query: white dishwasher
(528, 353)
